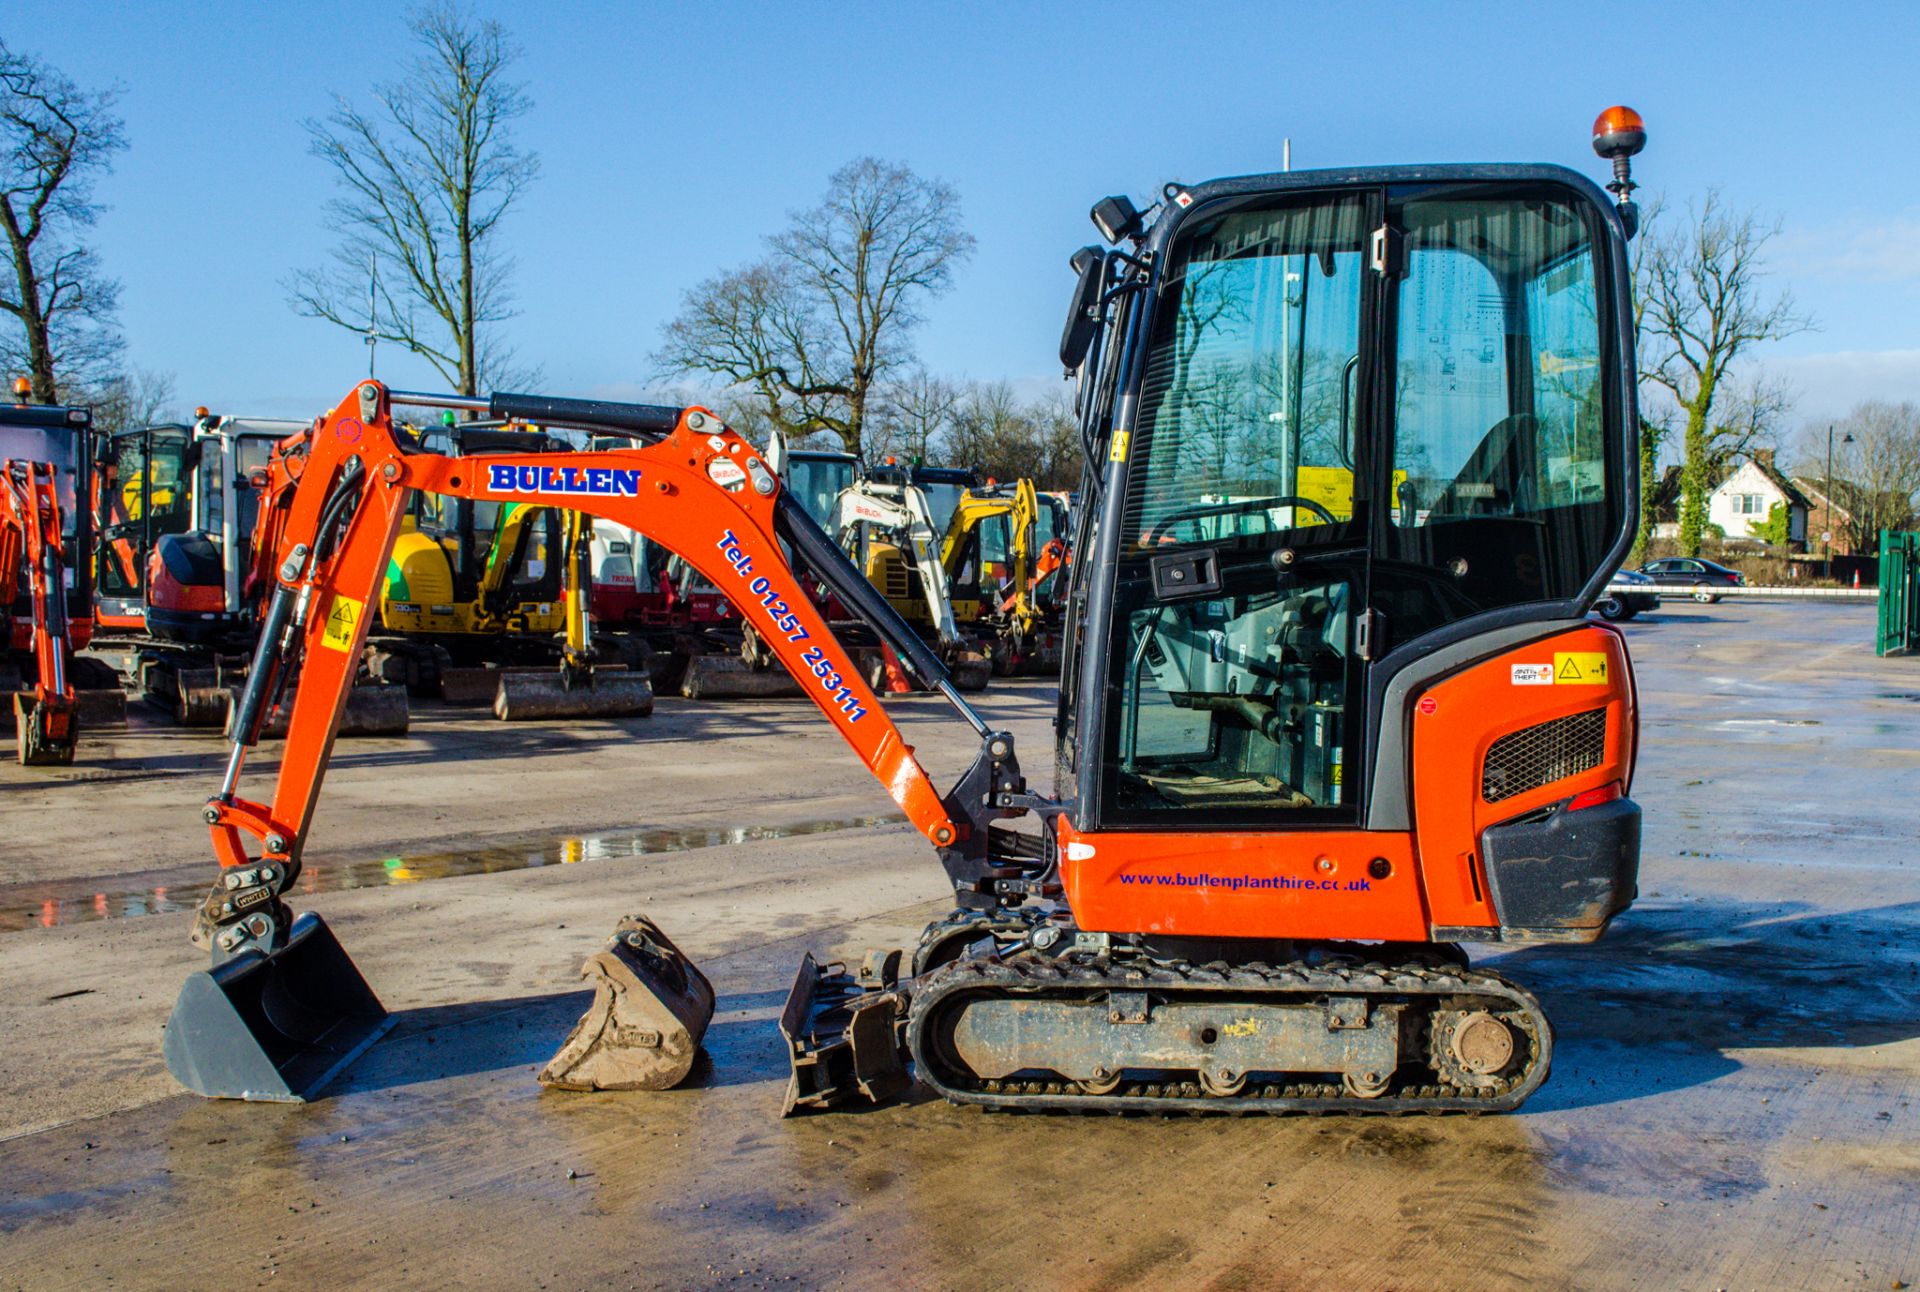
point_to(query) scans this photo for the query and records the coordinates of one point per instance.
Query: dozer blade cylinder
(650, 1010)
(527, 697)
(273, 1026)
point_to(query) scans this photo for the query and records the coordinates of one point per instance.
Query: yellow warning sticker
(1581, 668)
(342, 622)
(1118, 453)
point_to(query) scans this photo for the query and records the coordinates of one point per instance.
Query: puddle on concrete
(69, 903)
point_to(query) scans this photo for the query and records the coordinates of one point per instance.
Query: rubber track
(1029, 973)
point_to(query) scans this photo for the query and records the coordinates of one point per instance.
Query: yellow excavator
(993, 554)
(476, 595)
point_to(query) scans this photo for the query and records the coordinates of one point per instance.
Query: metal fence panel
(1899, 593)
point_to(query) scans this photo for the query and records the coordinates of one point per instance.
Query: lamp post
(1827, 529)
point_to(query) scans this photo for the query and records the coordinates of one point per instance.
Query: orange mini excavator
(1359, 458)
(46, 589)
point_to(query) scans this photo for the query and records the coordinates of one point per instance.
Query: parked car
(1619, 606)
(1694, 571)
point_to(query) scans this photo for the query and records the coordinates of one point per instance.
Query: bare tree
(55, 141)
(912, 415)
(994, 431)
(812, 328)
(427, 178)
(1751, 416)
(755, 327)
(131, 399)
(1876, 469)
(1703, 307)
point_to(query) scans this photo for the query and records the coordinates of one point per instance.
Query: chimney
(1764, 458)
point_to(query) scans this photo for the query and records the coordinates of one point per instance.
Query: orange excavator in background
(46, 615)
(1360, 453)
(181, 574)
(30, 540)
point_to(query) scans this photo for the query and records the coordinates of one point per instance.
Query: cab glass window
(1502, 489)
(1231, 707)
(1246, 424)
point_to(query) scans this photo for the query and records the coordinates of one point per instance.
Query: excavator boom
(692, 485)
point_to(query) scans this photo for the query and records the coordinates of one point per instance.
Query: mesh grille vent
(1540, 755)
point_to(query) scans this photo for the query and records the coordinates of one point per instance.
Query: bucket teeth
(651, 1007)
(844, 1033)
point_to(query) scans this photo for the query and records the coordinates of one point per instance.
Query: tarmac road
(1731, 1106)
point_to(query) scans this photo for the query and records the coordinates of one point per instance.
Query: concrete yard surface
(1732, 1103)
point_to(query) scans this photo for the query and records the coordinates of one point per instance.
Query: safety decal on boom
(343, 620)
(1587, 668)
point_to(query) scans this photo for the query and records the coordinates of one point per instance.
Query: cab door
(1238, 512)
(146, 497)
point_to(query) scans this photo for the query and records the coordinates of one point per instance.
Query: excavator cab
(1368, 459)
(142, 496)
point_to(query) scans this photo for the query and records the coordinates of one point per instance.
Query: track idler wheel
(651, 1007)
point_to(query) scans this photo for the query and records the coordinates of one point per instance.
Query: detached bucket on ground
(650, 1010)
(273, 1027)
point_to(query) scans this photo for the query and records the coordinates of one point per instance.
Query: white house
(1741, 503)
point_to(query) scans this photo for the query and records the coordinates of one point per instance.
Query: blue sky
(673, 137)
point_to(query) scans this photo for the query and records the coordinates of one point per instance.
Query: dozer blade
(373, 709)
(843, 1033)
(101, 707)
(722, 677)
(526, 697)
(464, 686)
(376, 711)
(650, 1010)
(276, 1026)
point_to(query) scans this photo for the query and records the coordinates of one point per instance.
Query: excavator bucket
(843, 1033)
(726, 677)
(202, 699)
(651, 1007)
(45, 730)
(273, 1026)
(609, 693)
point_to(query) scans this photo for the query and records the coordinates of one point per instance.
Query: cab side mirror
(1090, 263)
